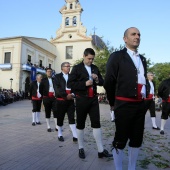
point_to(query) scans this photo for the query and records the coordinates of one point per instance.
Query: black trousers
(129, 121)
(64, 107)
(84, 106)
(165, 110)
(50, 104)
(36, 105)
(150, 105)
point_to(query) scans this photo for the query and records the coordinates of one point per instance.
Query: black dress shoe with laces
(156, 128)
(162, 132)
(38, 123)
(49, 130)
(33, 124)
(61, 139)
(75, 139)
(105, 153)
(81, 153)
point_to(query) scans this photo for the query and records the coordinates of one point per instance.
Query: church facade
(19, 54)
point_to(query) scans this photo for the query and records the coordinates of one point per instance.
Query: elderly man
(65, 102)
(149, 100)
(36, 100)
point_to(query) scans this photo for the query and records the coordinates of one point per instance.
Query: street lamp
(11, 82)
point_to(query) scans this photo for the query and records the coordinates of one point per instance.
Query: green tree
(101, 57)
(161, 72)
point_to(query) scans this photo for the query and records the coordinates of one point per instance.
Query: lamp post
(11, 79)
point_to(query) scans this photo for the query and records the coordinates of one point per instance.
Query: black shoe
(113, 120)
(61, 139)
(162, 132)
(75, 139)
(49, 130)
(81, 153)
(105, 153)
(157, 128)
(38, 123)
(56, 129)
(33, 124)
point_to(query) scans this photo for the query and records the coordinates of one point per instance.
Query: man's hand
(95, 77)
(69, 97)
(89, 83)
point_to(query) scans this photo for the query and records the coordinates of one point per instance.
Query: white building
(16, 53)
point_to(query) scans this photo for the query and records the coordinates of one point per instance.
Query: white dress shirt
(66, 79)
(139, 66)
(38, 94)
(51, 88)
(152, 87)
(88, 68)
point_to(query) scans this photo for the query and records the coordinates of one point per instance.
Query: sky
(41, 19)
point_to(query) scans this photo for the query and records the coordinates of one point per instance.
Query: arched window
(74, 21)
(71, 6)
(67, 21)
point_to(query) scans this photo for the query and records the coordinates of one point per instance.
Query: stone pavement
(24, 147)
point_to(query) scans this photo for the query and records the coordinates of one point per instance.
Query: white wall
(13, 46)
(78, 49)
(19, 54)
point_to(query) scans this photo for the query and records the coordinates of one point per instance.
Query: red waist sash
(50, 95)
(138, 98)
(150, 97)
(68, 91)
(128, 99)
(166, 100)
(90, 91)
(61, 99)
(36, 98)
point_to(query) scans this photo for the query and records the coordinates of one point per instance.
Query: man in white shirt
(48, 90)
(149, 100)
(36, 100)
(125, 87)
(65, 102)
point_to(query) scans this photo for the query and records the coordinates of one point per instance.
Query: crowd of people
(8, 96)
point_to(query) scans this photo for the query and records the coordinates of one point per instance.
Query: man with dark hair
(36, 100)
(164, 93)
(125, 87)
(65, 102)
(149, 100)
(84, 79)
(48, 91)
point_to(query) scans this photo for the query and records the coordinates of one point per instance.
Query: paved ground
(24, 147)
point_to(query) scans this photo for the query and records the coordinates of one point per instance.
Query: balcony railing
(27, 67)
(6, 66)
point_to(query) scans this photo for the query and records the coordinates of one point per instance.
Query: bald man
(125, 82)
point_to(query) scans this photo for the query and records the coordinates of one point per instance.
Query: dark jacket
(61, 86)
(44, 86)
(79, 76)
(33, 89)
(121, 76)
(148, 88)
(164, 89)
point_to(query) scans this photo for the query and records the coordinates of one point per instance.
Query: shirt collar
(132, 53)
(64, 74)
